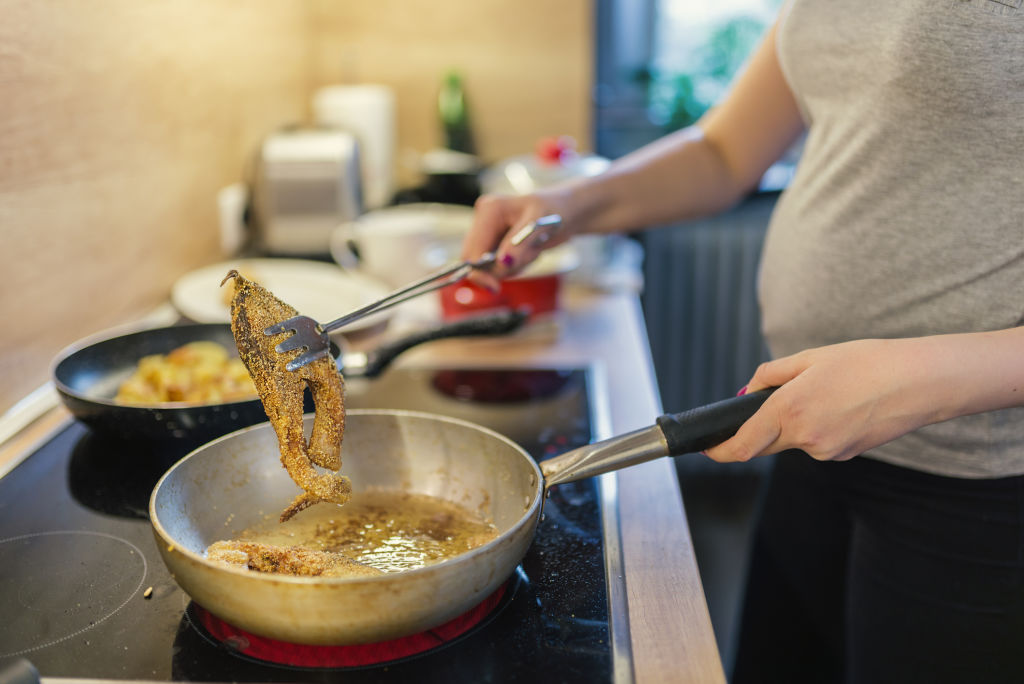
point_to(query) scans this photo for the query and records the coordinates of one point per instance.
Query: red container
(539, 294)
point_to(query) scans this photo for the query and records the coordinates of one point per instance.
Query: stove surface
(84, 593)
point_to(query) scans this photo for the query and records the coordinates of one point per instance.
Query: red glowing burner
(358, 655)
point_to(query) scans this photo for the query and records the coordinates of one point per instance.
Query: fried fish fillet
(288, 560)
(253, 309)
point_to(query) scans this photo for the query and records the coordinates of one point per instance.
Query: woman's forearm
(981, 371)
(679, 177)
(691, 173)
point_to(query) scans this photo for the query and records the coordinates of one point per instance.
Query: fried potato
(198, 372)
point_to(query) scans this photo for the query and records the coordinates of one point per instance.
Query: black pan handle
(489, 324)
(707, 426)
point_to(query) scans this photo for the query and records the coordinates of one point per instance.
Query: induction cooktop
(84, 593)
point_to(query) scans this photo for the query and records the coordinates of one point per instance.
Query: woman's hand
(496, 220)
(838, 401)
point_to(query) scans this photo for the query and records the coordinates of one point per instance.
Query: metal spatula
(311, 337)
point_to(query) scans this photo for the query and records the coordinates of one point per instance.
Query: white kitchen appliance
(367, 111)
(307, 182)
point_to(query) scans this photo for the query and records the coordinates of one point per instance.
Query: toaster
(307, 183)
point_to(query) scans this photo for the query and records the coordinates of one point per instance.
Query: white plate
(317, 289)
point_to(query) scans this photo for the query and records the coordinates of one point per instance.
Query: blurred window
(662, 63)
(698, 46)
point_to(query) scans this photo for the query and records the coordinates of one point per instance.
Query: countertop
(670, 633)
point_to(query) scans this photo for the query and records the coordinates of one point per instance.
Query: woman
(892, 295)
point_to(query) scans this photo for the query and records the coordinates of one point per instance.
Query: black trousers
(863, 572)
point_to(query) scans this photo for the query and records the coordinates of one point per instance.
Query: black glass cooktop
(84, 593)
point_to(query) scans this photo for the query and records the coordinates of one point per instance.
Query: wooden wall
(526, 65)
(120, 119)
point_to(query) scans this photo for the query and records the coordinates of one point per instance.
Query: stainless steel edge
(23, 415)
(614, 565)
(27, 410)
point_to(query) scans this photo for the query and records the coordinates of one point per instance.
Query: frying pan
(236, 483)
(88, 373)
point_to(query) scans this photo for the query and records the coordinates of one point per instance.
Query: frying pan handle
(674, 434)
(489, 324)
(706, 426)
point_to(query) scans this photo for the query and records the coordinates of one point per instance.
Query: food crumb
(148, 593)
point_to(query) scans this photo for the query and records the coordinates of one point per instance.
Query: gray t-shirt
(906, 214)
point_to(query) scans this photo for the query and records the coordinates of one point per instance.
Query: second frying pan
(87, 376)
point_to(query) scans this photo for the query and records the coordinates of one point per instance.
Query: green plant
(678, 97)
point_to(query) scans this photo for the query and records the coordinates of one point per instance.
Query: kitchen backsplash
(122, 119)
(527, 66)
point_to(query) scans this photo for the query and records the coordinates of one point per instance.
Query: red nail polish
(743, 390)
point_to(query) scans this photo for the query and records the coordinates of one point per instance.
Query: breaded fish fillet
(253, 309)
(288, 560)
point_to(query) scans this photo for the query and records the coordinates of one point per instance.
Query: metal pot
(88, 373)
(235, 482)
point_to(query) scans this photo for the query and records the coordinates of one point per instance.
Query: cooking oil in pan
(387, 530)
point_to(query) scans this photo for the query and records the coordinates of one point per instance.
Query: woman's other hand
(838, 401)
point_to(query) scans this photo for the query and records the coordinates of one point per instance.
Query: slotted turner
(311, 337)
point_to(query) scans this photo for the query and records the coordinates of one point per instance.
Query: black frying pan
(88, 373)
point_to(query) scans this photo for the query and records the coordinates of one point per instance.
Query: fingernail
(507, 260)
(743, 390)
